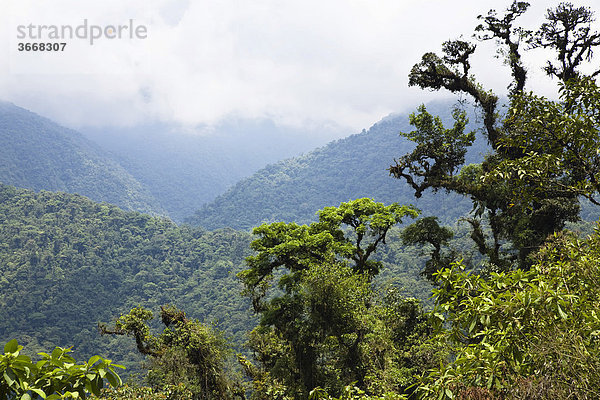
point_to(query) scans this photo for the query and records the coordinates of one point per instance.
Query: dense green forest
(68, 263)
(332, 307)
(36, 153)
(82, 262)
(349, 168)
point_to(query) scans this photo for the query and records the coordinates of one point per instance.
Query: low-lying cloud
(296, 62)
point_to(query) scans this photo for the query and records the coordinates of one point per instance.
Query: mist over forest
(447, 252)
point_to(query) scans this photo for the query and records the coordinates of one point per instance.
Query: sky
(335, 65)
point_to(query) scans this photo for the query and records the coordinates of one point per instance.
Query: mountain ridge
(345, 169)
(37, 153)
(186, 167)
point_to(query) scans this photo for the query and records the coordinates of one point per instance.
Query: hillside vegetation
(38, 154)
(349, 168)
(185, 168)
(67, 263)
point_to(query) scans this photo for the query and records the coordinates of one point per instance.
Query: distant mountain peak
(37, 153)
(345, 169)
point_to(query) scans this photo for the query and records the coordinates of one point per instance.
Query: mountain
(159, 169)
(67, 263)
(184, 168)
(350, 168)
(36, 153)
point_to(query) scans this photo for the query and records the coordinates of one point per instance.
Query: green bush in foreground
(521, 334)
(55, 376)
(186, 360)
(352, 393)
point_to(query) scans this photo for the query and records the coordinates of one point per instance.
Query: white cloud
(296, 62)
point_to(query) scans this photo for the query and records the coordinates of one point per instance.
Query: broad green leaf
(114, 382)
(56, 353)
(8, 379)
(91, 387)
(472, 326)
(449, 393)
(11, 347)
(93, 360)
(39, 392)
(561, 312)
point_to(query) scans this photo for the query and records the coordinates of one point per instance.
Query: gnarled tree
(323, 325)
(530, 183)
(186, 358)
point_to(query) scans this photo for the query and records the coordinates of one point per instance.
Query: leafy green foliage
(369, 223)
(524, 226)
(527, 333)
(521, 334)
(298, 247)
(427, 231)
(186, 358)
(439, 153)
(54, 376)
(325, 326)
(522, 144)
(553, 137)
(36, 153)
(67, 263)
(335, 331)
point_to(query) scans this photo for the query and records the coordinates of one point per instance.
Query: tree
(55, 376)
(521, 334)
(324, 325)
(186, 358)
(500, 214)
(427, 231)
(568, 32)
(559, 141)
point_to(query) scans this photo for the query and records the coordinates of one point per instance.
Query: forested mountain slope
(349, 168)
(187, 169)
(36, 153)
(67, 263)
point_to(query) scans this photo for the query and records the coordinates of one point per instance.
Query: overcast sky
(301, 63)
